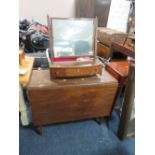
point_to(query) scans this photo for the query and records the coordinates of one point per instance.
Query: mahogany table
(64, 100)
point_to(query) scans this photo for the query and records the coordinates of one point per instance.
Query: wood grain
(103, 50)
(63, 100)
(119, 70)
(81, 70)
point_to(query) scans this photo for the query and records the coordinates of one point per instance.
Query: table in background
(123, 48)
(27, 65)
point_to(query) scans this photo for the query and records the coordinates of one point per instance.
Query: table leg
(127, 104)
(100, 120)
(38, 130)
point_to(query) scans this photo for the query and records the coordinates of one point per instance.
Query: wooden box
(103, 50)
(75, 69)
(107, 36)
(63, 100)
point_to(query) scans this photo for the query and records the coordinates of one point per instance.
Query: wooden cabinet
(63, 100)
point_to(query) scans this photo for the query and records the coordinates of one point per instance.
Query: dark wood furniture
(63, 100)
(128, 103)
(106, 37)
(119, 70)
(124, 72)
(125, 49)
(103, 50)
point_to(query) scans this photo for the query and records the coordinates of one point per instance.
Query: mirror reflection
(72, 37)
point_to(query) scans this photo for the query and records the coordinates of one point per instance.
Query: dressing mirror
(72, 47)
(71, 38)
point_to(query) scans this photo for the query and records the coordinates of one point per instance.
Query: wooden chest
(63, 100)
(106, 35)
(103, 50)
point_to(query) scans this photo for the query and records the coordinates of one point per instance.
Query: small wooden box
(106, 35)
(103, 50)
(75, 69)
(63, 100)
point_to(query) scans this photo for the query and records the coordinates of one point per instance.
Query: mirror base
(75, 69)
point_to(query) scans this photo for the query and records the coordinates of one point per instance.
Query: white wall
(38, 9)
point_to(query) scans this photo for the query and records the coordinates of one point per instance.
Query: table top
(27, 65)
(41, 79)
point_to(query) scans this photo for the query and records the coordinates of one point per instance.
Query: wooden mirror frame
(51, 44)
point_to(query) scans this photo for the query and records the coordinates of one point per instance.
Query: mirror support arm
(95, 38)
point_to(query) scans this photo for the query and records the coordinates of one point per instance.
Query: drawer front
(57, 72)
(75, 72)
(69, 104)
(103, 51)
(82, 71)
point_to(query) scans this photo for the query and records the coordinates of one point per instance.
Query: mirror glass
(72, 37)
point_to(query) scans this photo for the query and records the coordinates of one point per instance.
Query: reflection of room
(72, 38)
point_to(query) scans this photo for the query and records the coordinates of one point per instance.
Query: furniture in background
(124, 48)
(119, 70)
(64, 100)
(26, 64)
(128, 106)
(124, 72)
(22, 108)
(106, 37)
(103, 50)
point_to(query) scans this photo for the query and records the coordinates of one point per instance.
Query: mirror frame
(51, 44)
